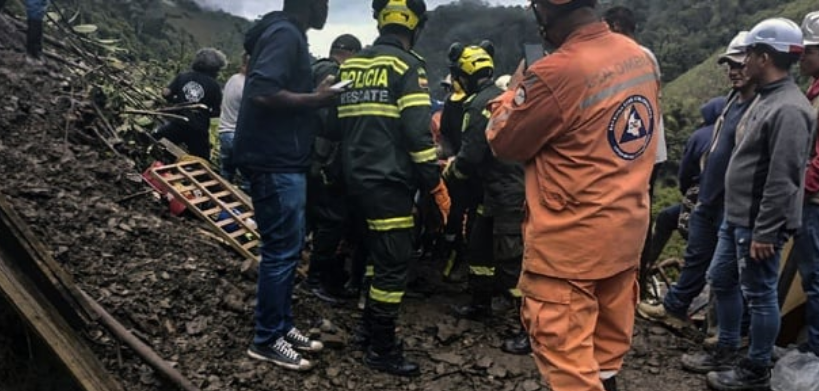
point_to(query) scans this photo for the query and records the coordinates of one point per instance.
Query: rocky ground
(186, 296)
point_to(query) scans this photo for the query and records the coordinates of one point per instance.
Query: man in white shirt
(231, 102)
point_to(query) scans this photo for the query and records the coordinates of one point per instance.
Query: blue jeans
(35, 9)
(807, 245)
(227, 169)
(279, 201)
(703, 228)
(734, 275)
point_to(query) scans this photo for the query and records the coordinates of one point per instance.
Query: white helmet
(503, 82)
(782, 34)
(736, 50)
(810, 28)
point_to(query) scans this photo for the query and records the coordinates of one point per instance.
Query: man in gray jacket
(763, 203)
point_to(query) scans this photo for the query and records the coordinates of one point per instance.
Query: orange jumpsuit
(584, 119)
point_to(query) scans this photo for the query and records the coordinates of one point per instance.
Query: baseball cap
(346, 42)
(735, 51)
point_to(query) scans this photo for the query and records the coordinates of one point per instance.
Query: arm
(524, 119)
(790, 134)
(271, 72)
(171, 91)
(473, 144)
(812, 175)
(414, 104)
(689, 165)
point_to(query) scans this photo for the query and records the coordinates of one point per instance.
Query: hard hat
(810, 29)
(503, 81)
(736, 51)
(410, 14)
(474, 60)
(783, 35)
(566, 4)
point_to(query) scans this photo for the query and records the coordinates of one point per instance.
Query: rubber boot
(610, 384)
(362, 336)
(34, 38)
(386, 353)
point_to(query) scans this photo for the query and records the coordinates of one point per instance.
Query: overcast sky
(346, 16)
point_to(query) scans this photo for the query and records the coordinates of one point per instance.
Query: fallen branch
(156, 113)
(132, 196)
(139, 347)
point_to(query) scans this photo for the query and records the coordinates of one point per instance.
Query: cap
(735, 51)
(346, 42)
(810, 29)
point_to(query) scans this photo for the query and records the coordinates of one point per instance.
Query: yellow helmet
(405, 13)
(470, 61)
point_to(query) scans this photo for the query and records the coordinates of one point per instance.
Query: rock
(449, 358)
(530, 385)
(653, 362)
(446, 333)
(655, 330)
(497, 371)
(484, 362)
(654, 371)
(334, 341)
(440, 369)
(197, 326)
(333, 372)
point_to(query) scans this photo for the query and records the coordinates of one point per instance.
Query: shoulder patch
(423, 81)
(520, 95)
(631, 128)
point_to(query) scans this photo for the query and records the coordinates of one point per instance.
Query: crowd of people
(539, 182)
(511, 174)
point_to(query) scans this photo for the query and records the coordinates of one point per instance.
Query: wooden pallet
(226, 209)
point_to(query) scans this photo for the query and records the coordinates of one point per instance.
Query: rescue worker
(387, 156)
(197, 86)
(325, 194)
(584, 119)
(465, 195)
(495, 247)
(764, 187)
(807, 243)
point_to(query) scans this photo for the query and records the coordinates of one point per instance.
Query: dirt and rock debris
(186, 296)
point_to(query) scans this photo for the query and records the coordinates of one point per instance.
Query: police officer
(495, 247)
(325, 195)
(387, 156)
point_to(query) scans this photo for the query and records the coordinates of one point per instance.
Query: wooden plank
(46, 322)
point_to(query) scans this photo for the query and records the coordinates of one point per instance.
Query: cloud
(346, 17)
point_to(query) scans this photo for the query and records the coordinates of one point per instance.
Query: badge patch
(520, 96)
(632, 127)
(423, 81)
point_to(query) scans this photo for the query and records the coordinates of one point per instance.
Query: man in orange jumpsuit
(584, 120)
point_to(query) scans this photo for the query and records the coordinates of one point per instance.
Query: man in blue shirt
(274, 136)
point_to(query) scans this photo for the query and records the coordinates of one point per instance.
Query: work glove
(440, 195)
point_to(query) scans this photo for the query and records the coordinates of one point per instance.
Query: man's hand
(326, 95)
(762, 251)
(441, 196)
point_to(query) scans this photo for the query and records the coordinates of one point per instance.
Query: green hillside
(684, 95)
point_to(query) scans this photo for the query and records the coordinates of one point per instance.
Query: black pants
(197, 141)
(495, 256)
(465, 196)
(328, 216)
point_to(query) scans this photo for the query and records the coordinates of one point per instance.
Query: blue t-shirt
(271, 140)
(712, 179)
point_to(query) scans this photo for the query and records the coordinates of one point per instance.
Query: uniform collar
(775, 85)
(389, 40)
(589, 31)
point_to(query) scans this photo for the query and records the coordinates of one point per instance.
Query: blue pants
(35, 9)
(227, 169)
(734, 274)
(807, 245)
(279, 201)
(703, 228)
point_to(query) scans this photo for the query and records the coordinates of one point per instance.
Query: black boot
(518, 344)
(480, 307)
(362, 336)
(34, 38)
(610, 384)
(386, 353)
(711, 359)
(745, 376)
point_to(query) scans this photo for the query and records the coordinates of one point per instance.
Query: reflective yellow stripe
(369, 271)
(450, 263)
(374, 109)
(481, 210)
(424, 156)
(482, 271)
(486, 113)
(385, 297)
(414, 100)
(391, 224)
(516, 293)
(365, 63)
